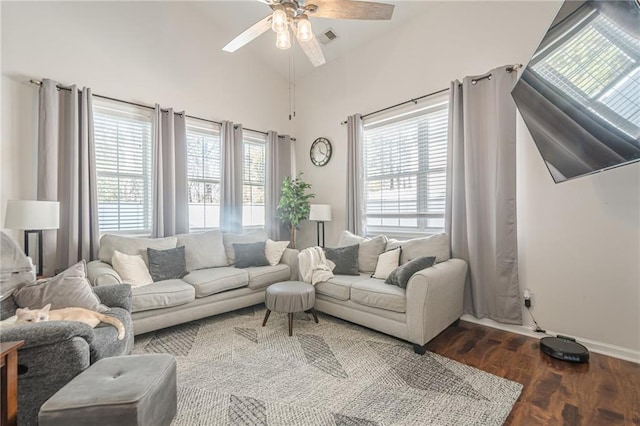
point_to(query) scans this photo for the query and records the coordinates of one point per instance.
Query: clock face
(320, 152)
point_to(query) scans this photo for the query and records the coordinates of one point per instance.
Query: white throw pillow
(274, 250)
(131, 269)
(387, 263)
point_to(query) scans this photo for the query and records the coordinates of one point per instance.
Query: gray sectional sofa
(212, 286)
(431, 302)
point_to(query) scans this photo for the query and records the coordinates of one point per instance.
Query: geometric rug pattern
(233, 371)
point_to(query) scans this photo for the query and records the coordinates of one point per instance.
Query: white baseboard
(597, 347)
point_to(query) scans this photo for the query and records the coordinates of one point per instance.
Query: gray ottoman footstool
(290, 297)
(123, 391)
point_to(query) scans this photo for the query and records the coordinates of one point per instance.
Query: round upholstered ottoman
(290, 297)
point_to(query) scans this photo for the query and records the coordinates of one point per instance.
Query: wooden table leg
(10, 389)
(266, 317)
(315, 316)
(290, 324)
(5, 392)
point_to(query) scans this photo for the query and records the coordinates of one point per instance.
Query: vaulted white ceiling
(232, 17)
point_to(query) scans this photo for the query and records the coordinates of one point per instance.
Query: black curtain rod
(60, 87)
(508, 69)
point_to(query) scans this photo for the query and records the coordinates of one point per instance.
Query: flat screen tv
(580, 93)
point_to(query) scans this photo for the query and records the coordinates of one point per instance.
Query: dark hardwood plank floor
(604, 391)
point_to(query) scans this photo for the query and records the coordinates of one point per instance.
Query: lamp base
(318, 223)
(38, 232)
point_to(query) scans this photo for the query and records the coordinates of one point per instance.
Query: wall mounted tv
(580, 93)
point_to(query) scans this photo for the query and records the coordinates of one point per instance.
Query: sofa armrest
(290, 257)
(101, 273)
(115, 296)
(47, 333)
(434, 299)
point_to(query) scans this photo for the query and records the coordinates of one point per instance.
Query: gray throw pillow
(345, 258)
(252, 254)
(167, 264)
(401, 276)
(68, 289)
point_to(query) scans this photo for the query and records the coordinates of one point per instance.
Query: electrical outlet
(527, 298)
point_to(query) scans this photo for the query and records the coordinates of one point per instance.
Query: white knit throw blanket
(314, 266)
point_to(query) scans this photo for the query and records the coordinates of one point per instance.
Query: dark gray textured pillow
(345, 258)
(401, 276)
(251, 254)
(167, 264)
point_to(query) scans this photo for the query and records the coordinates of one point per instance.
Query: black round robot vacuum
(564, 348)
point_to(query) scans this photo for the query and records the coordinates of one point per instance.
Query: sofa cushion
(203, 250)
(167, 264)
(216, 280)
(344, 258)
(250, 254)
(433, 245)
(250, 237)
(339, 287)
(375, 293)
(262, 276)
(69, 289)
(162, 294)
(370, 249)
(132, 245)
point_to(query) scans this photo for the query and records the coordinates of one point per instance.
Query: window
(405, 159)
(253, 178)
(123, 167)
(599, 67)
(203, 174)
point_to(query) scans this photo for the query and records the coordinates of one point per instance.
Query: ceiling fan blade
(248, 35)
(313, 51)
(349, 9)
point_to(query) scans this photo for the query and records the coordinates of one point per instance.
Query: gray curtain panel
(67, 173)
(278, 167)
(354, 221)
(231, 188)
(170, 188)
(481, 206)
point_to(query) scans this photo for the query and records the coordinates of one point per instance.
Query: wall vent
(327, 36)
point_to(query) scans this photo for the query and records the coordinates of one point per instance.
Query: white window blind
(203, 173)
(253, 178)
(405, 159)
(599, 68)
(123, 167)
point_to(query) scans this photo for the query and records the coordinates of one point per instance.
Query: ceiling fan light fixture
(279, 21)
(304, 28)
(283, 40)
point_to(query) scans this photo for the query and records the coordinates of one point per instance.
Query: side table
(9, 364)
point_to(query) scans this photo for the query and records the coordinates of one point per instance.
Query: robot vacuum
(564, 348)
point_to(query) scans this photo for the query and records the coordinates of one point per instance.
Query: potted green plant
(294, 204)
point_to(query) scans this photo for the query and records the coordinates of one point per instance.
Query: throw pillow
(434, 245)
(401, 276)
(387, 263)
(167, 264)
(370, 249)
(259, 235)
(131, 245)
(203, 250)
(68, 289)
(131, 269)
(274, 251)
(345, 258)
(252, 254)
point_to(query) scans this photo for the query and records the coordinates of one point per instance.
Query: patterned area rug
(233, 371)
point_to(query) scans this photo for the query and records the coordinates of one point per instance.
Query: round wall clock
(320, 152)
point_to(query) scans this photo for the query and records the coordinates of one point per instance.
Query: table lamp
(320, 213)
(33, 217)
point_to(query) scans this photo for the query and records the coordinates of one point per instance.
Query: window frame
(206, 129)
(434, 104)
(125, 111)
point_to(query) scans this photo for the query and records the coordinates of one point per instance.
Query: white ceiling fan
(294, 15)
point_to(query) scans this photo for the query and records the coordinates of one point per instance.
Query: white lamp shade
(320, 212)
(32, 215)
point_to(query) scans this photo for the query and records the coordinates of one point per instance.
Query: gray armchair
(55, 352)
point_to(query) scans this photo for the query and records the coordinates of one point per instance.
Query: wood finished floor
(604, 391)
